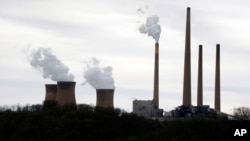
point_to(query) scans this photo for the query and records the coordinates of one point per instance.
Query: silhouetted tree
(242, 113)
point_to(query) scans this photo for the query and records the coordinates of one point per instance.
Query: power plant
(104, 98)
(64, 91)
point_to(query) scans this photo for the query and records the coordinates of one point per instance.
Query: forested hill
(86, 123)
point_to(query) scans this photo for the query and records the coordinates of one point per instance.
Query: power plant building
(146, 108)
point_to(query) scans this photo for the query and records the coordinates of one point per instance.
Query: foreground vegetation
(83, 122)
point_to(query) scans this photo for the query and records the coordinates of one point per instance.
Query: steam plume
(49, 65)
(152, 28)
(97, 76)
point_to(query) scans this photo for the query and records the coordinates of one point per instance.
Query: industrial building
(146, 108)
(189, 111)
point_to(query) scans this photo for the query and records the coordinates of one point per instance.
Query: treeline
(50, 122)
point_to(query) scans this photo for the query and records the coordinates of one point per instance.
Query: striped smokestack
(217, 79)
(200, 79)
(156, 76)
(51, 90)
(65, 93)
(105, 98)
(187, 64)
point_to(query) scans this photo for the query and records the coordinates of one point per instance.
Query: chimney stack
(156, 77)
(66, 93)
(217, 79)
(200, 79)
(105, 98)
(187, 64)
(51, 90)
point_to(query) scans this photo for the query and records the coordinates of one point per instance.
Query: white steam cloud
(152, 28)
(49, 65)
(97, 76)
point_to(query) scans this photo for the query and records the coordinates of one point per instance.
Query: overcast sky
(77, 30)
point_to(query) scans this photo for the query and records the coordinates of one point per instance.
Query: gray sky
(77, 30)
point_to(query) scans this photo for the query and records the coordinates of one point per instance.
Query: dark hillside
(83, 122)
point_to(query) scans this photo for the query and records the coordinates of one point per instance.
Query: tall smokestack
(187, 64)
(200, 79)
(217, 79)
(65, 93)
(156, 76)
(51, 90)
(105, 98)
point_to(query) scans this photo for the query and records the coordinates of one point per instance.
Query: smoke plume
(49, 65)
(152, 28)
(97, 76)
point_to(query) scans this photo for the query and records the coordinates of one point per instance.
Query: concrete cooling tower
(51, 91)
(104, 98)
(65, 93)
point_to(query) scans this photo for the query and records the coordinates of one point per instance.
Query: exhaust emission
(49, 65)
(97, 76)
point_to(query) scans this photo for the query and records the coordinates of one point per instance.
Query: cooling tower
(200, 79)
(187, 64)
(217, 80)
(65, 93)
(51, 90)
(104, 98)
(156, 77)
